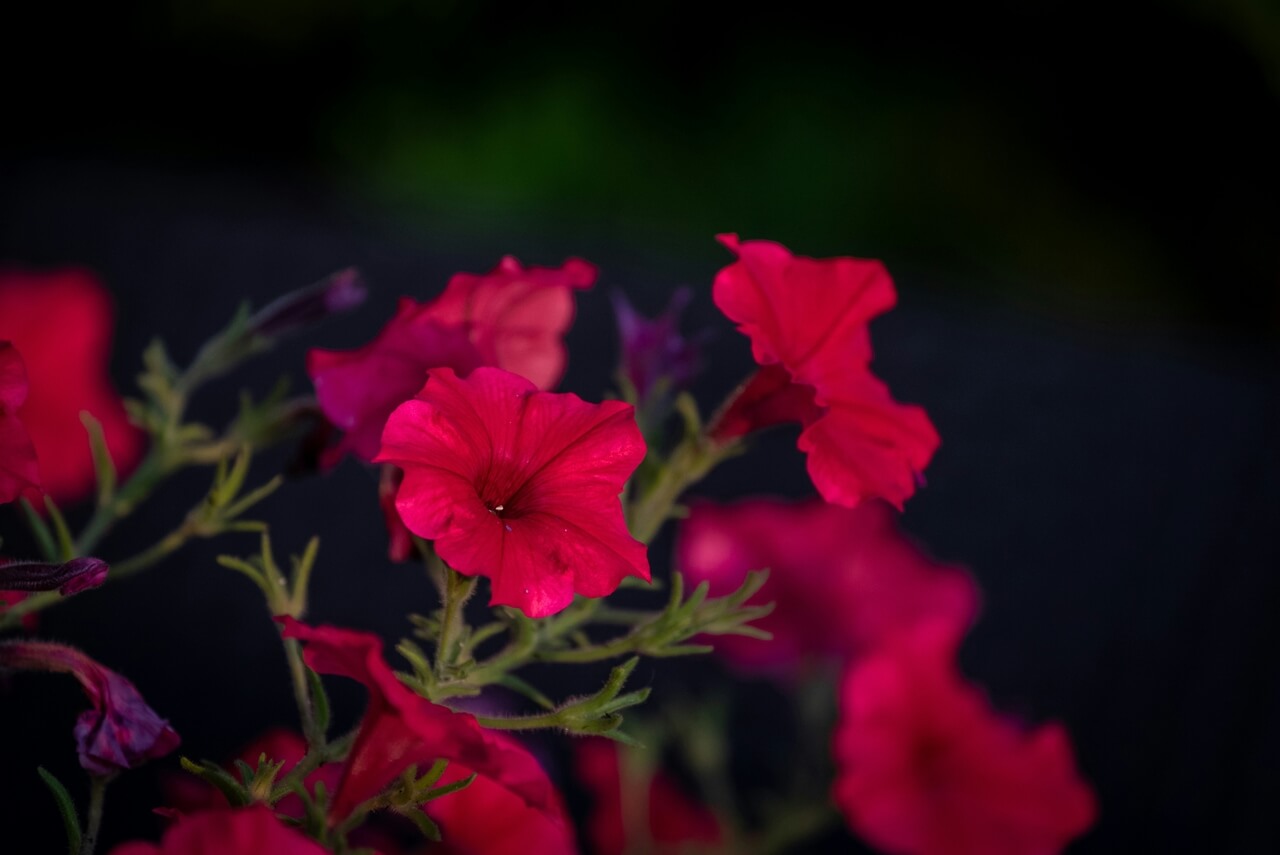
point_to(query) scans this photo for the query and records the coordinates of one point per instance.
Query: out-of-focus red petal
(519, 485)
(925, 767)
(61, 321)
(841, 579)
(243, 831)
(19, 474)
(358, 389)
(516, 315)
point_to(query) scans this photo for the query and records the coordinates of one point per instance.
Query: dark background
(1080, 204)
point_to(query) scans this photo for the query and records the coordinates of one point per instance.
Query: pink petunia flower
(252, 830)
(120, 731)
(925, 767)
(672, 822)
(516, 315)
(519, 485)
(807, 320)
(358, 389)
(61, 321)
(19, 473)
(842, 579)
(400, 729)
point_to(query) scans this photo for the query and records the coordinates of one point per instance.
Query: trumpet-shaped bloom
(358, 389)
(807, 320)
(841, 579)
(516, 315)
(61, 322)
(674, 822)
(519, 485)
(120, 731)
(926, 767)
(19, 474)
(401, 729)
(244, 831)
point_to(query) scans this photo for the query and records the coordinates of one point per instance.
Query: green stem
(302, 692)
(522, 722)
(97, 795)
(155, 467)
(455, 590)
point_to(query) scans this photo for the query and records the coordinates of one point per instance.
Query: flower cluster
(489, 477)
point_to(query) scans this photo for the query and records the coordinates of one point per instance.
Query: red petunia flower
(244, 831)
(673, 822)
(807, 320)
(486, 818)
(516, 315)
(400, 729)
(842, 579)
(519, 485)
(925, 767)
(19, 474)
(61, 322)
(358, 389)
(121, 731)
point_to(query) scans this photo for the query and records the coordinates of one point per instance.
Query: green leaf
(66, 543)
(210, 772)
(460, 784)
(44, 537)
(66, 808)
(426, 825)
(319, 701)
(103, 466)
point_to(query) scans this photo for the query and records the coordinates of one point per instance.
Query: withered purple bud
(653, 349)
(76, 575)
(341, 292)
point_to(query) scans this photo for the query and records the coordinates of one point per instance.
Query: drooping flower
(926, 767)
(807, 320)
(516, 315)
(340, 292)
(71, 577)
(400, 729)
(61, 322)
(251, 830)
(519, 485)
(653, 348)
(358, 389)
(672, 823)
(19, 474)
(486, 818)
(120, 731)
(842, 579)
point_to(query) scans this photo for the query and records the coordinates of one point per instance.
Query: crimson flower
(244, 831)
(516, 315)
(19, 474)
(925, 767)
(401, 729)
(519, 485)
(674, 821)
(61, 321)
(807, 320)
(358, 389)
(842, 579)
(120, 731)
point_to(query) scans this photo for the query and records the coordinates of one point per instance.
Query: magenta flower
(243, 831)
(926, 767)
(519, 485)
(807, 320)
(19, 474)
(516, 315)
(76, 575)
(401, 729)
(842, 579)
(120, 731)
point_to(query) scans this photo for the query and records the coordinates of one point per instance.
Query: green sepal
(66, 809)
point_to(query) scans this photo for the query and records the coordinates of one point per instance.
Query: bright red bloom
(516, 315)
(674, 819)
(807, 320)
(486, 818)
(61, 322)
(244, 831)
(121, 731)
(358, 389)
(842, 579)
(400, 729)
(519, 485)
(925, 767)
(19, 474)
